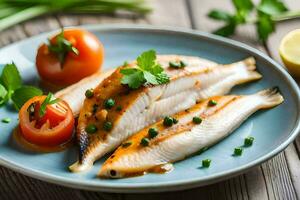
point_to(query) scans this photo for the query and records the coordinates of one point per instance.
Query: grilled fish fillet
(74, 94)
(185, 138)
(136, 109)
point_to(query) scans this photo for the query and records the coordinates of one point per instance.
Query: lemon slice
(289, 50)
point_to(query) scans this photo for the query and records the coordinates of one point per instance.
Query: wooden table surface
(278, 178)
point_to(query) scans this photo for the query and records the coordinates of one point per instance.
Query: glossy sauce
(21, 141)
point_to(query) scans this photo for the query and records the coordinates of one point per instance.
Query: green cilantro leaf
(50, 99)
(220, 15)
(128, 71)
(146, 60)
(226, 30)
(156, 69)
(23, 94)
(11, 87)
(243, 5)
(3, 93)
(10, 78)
(272, 7)
(265, 26)
(162, 78)
(147, 72)
(263, 15)
(134, 80)
(150, 78)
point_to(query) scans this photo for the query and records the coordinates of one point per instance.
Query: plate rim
(170, 185)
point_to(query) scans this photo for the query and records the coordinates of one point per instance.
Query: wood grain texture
(282, 28)
(272, 180)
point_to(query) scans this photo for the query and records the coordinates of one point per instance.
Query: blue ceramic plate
(273, 129)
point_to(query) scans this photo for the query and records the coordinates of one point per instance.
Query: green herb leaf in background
(264, 16)
(272, 7)
(10, 78)
(226, 30)
(220, 15)
(243, 5)
(13, 12)
(3, 94)
(147, 72)
(22, 94)
(265, 26)
(11, 87)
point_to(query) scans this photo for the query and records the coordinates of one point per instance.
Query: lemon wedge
(289, 51)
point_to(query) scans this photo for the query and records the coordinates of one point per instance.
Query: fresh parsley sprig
(11, 87)
(147, 72)
(266, 13)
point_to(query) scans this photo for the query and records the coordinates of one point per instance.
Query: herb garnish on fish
(147, 72)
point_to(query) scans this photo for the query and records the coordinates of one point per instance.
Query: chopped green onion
(152, 133)
(238, 151)
(91, 128)
(109, 103)
(183, 64)
(126, 144)
(175, 121)
(248, 141)
(145, 142)
(89, 93)
(107, 126)
(206, 163)
(174, 65)
(212, 103)
(177, 65)
(6, 120)
(197, 120)
(168, 121)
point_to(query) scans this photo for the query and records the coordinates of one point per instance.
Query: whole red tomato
(61, 66)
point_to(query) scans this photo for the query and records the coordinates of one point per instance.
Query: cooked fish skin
(147, 105)
(186, 138)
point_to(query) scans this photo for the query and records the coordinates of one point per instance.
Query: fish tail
(270, 97)
(250, 63)
(246, 71)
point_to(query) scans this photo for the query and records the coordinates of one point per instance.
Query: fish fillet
(146, 105)
(74, 94)
(185, 138)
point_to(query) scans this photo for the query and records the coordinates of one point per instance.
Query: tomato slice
(54, 128)
(54, 114)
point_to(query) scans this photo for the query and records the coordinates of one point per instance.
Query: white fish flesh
(136, 109)
(186, 137)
